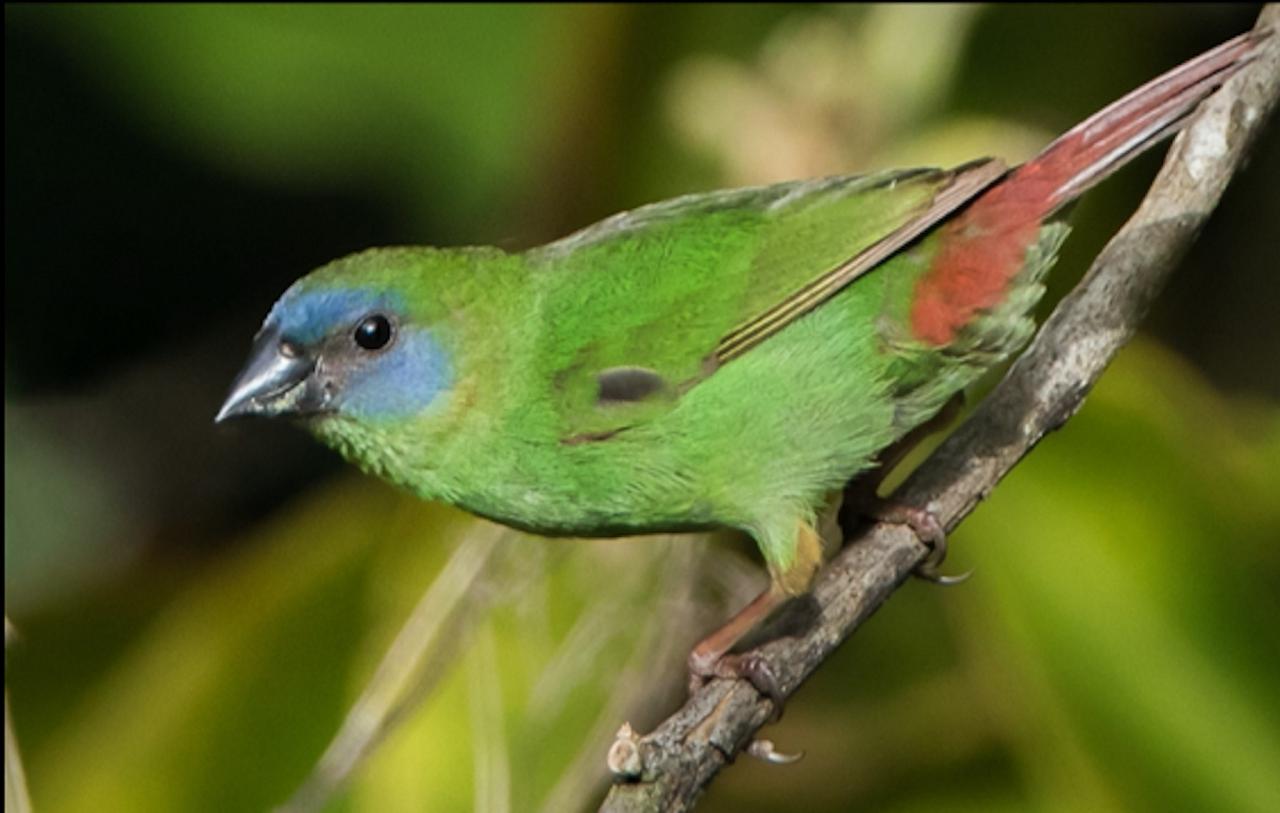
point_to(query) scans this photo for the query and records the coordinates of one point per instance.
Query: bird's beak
(273, 381)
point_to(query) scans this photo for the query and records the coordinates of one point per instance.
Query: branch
(669, 769)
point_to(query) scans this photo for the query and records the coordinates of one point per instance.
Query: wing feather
(967, 182)
(645, 305)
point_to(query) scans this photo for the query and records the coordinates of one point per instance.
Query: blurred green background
(197, 608)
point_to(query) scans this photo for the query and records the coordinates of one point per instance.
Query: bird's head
(351, 340)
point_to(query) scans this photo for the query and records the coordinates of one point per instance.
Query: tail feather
(983, 249)
(1103, 143)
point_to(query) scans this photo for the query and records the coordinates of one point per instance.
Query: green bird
(729, 359)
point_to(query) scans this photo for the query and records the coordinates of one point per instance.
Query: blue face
(372, 363)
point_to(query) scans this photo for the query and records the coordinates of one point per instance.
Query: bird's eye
(373, 332)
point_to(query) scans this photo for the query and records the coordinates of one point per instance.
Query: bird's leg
(712, 658)
(861, 497)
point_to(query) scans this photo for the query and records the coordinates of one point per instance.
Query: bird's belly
(540, 506)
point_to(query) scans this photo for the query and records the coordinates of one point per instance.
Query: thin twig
(657, 648)
(16, 797)
(405, 670)
(488, 737)
(669, 769)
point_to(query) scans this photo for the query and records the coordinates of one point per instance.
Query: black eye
(373, 332)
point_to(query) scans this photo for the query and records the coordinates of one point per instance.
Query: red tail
(985, 246)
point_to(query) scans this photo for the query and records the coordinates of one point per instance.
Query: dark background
(169, 171)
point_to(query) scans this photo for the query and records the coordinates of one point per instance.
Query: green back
(658, 287)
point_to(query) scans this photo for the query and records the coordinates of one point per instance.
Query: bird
(729, 359)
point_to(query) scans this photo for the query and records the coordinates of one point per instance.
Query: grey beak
(271, 380)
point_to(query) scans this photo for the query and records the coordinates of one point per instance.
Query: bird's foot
(711, 658)
(749, 666)
(926, 525)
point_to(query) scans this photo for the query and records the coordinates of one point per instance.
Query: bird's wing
(641, 307)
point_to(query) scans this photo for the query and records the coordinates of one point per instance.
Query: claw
(748, 666)
(937, 542)
(924, 522)
(763, 750)
(929, 573)
(756, 671)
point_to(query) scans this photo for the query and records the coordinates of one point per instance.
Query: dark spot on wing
(628, 384)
